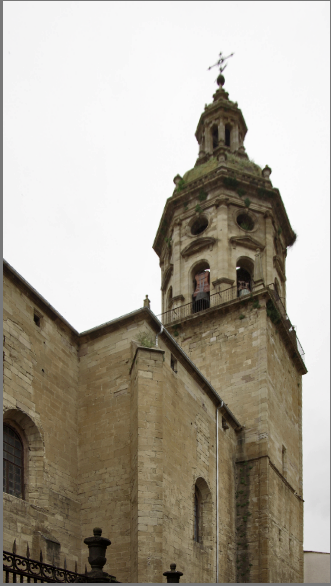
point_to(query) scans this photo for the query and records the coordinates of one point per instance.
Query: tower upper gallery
(224, 216)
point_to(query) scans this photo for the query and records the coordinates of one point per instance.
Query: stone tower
(222, 243)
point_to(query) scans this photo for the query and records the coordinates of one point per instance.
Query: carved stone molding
(166, 276)
(198, 245)
(247, 242)
(219, 201)
(279, 266)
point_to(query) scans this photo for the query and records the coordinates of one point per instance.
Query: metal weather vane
(220, 79)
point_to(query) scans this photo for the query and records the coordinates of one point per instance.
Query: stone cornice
(198, 245)
(213, 179)
(247, 242)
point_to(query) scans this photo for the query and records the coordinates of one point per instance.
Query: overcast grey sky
(101, 103)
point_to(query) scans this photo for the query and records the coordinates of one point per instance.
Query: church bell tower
(222, 243)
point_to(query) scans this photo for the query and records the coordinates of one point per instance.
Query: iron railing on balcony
(286, 320)
(222, 297)
(193, 307)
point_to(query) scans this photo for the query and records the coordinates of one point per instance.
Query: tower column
(235, 138)
(222, 237)
(177, 259)
(268, 248)
(208, 140)
(221, 132)
(258, 272)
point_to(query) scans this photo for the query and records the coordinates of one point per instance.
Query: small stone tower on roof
(222, 243)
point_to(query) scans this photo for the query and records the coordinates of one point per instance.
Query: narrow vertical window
(173, 363)
(284, 461)
(12, 462)
(197, 514)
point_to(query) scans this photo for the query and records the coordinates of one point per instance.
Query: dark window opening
(215, 136)
(245, 222)
(244, 282)
(201, 295)
(199, 226)
(12, 462)
(224, 423)
(173, 364)
(227, 136)
(197, 514)
(284, 461)
(37, 319)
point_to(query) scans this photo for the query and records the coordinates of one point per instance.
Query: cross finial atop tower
(220, 79)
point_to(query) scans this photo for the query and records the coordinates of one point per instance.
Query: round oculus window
(199, 225)
(245, 222)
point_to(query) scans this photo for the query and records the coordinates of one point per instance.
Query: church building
(179, 435)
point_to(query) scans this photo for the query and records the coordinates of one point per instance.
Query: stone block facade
(117, 435)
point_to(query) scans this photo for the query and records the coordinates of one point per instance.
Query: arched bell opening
(245, 274)
(214, 135)
(200, 276)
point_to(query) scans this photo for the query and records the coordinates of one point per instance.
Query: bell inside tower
(245, 271)
(201, 288)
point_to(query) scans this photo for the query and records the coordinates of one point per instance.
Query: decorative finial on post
(220, 79)
(97, 549)
(266, 172)
(173, 577)
(147, 302)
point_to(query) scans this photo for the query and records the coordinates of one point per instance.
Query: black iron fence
(193, 307)
(286, 320)
(17, 568)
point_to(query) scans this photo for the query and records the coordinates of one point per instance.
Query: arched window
(227, 135)
(202, 529)
(197, 514)
(13, 472)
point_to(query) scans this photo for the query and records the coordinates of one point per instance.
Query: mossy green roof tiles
(233, 161)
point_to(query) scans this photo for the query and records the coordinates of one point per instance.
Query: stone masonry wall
(40, 396)
(189, 445)
(248, 364)
(105, 458)
(230, 349)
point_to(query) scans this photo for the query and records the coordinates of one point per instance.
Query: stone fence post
(97, 550)
(173, 576)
